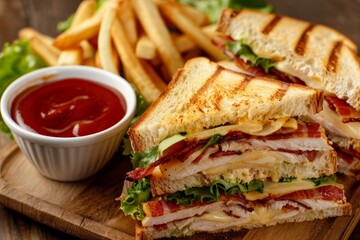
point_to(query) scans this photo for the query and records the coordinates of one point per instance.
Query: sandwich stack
(292, 50)
(221, 151)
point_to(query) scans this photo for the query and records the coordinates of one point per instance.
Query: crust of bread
(295, 46)
(307, 215)
(203, 94)
(326, 166)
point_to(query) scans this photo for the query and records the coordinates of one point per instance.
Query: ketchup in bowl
(69, 107)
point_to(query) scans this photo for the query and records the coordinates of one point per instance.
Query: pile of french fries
(146, 41)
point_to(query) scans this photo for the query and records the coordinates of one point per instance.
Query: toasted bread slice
(203, 95)
(320, 56)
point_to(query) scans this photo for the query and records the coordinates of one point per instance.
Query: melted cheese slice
(252, 127)
(278, 188)
(332, 122)
(305, 75)
(255, 159)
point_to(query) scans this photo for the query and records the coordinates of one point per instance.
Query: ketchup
(68, 108)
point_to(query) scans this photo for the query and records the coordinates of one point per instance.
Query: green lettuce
(213, 8)
(212, 193)
(16, 59)
(287, 179)
(244, 51)
(139, 193)
(214, 139)
(322, 179)
(144, 158)
(66, 24)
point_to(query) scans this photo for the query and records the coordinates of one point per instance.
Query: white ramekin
(74, 158)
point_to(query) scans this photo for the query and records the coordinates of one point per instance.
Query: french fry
(156, 30)
(145, 48)
(128, 20)
(86, 30)
(132, 64)
(84, 11)
(164, 73)
(89, 62)
(156, 61)
(75, 56)
(153, 75)
(104, 40)
(41, 44)
(70, 57)
(199, 18)
(97, 60)
(48, 53)
(114, 55)
(28, 33)
(184, 43)
(187, 26)
(88, 50)
(196, 52)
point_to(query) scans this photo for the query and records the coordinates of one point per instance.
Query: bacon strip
(188, 148)
(324, 193)
(345, 111)
(346, 154)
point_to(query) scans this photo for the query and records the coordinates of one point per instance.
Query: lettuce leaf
(144, 158)
(16, 59)
(66, 24)
(322, 179)
(213, 8)
(287, 179)
(212, 193)
(244, 51)
(139, 193)
(214, 139)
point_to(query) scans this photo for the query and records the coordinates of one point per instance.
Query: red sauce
(68, 108)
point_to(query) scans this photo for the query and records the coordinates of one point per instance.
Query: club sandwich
(222, 151)
(292, 50)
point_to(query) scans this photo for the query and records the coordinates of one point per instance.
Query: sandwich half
(221, 151)
(292, 50)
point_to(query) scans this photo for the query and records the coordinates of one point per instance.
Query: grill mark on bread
(225, 19)
(271, 25)
(301, 44)
(205, 86)
(280, 93)
(243, 84)
(333, 58)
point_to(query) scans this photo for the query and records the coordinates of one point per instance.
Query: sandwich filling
(338, 117)
(184, 164)
(294, 147)
(222, 205)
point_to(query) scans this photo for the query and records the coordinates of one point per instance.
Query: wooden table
(44, 14)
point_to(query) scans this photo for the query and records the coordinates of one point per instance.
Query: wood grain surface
(44, 15)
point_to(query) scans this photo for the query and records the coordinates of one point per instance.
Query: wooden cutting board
(88, 208)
